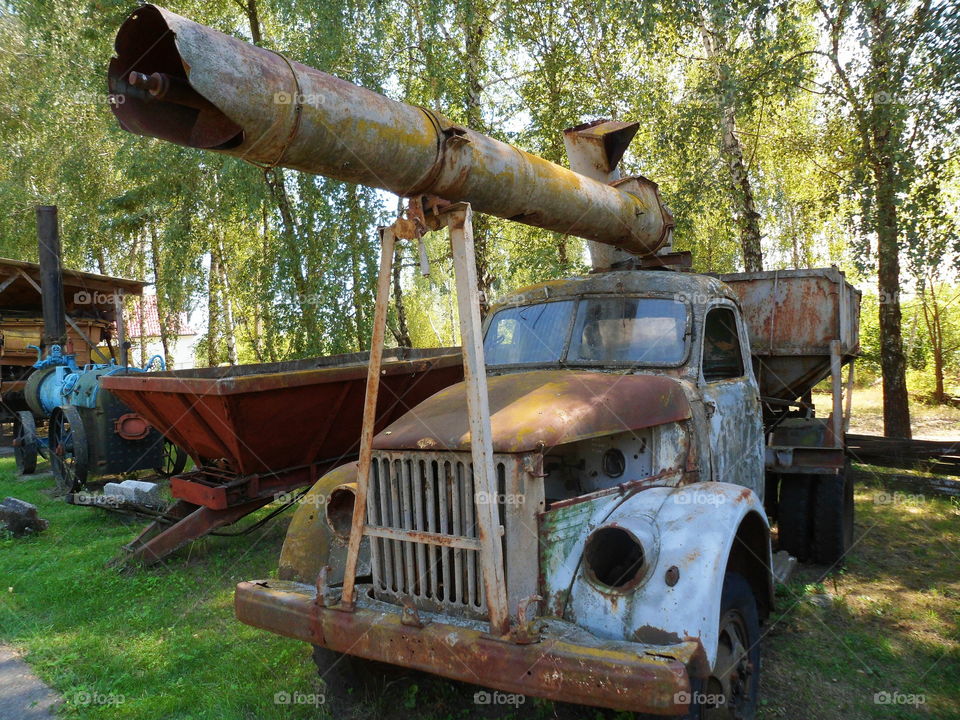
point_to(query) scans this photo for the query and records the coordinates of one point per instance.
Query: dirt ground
(928, 422)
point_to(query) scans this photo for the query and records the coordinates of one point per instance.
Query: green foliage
(300, 253)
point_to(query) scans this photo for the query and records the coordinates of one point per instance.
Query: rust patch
(672, 576)
(542, 408)
(655, 636)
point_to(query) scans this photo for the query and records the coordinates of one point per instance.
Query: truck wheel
(342, 672)
(794, 515)
(833, 517)
(733, 687)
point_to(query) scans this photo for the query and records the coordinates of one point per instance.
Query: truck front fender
(311, 543)
(691, 536)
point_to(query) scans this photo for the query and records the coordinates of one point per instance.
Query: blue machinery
(90, 432)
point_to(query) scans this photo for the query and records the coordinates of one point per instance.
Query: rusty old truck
(586, 516)
(630, 438)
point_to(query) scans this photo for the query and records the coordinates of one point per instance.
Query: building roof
(84, 293)
(151, 320)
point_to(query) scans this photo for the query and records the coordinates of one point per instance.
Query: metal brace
(325, 596)
(409, 615)
(526, 631)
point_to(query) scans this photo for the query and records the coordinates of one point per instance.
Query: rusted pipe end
(143, 83)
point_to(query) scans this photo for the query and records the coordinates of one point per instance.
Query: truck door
(731, 401)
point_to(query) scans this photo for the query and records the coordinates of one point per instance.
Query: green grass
(893, 625)
(165, 640)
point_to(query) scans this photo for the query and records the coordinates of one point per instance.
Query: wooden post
(836, 383)
(51, 276)
(848, 399)
(387, 239)
(121, 328)
(478, 409)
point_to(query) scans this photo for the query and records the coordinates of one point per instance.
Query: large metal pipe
(192, 85)
(51, 277)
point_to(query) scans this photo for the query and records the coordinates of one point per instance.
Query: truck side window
(722, 358)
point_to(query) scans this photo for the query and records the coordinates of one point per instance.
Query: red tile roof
(151, 325)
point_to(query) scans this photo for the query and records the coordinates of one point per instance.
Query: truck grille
(422, 524)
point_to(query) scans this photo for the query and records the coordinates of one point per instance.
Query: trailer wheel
(794, 515)
(833, 517)
(174, 460)
(25, 442)
(68, 449)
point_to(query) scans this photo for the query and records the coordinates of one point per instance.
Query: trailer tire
(174, 460)
(833, 517)
(794, 515)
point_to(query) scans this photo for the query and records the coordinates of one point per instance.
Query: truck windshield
(528, 334)
(590, 331)
(648, 331)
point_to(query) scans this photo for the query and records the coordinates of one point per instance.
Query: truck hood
(542, 408)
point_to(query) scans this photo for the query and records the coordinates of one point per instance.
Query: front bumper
(568, 664)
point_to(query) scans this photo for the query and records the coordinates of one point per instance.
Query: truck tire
(795, 520)
(732, 690)
(833, 517)
(342, 673)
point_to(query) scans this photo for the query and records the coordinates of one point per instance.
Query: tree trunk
(357, 297)
(402, 332)
(474, 24)
(885, 137)
(896, 407)
(934, 325)
(230, 332)
(275, 182)
(162, 318)
(140, 258)
(213, 312)
(744, 206)
(142, 317)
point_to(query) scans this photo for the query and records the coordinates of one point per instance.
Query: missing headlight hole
(613, 557)
(340, 511)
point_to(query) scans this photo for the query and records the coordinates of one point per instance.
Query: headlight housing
(614, 558)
